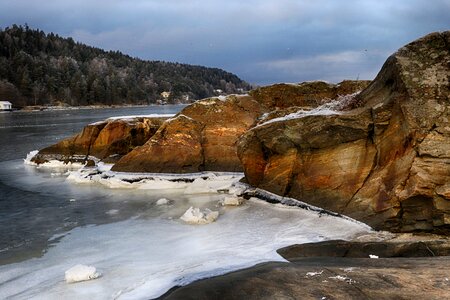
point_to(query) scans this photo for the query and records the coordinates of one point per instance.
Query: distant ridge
(46, 69)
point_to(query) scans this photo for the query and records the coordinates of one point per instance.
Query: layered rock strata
(383, 159)
(107, 140)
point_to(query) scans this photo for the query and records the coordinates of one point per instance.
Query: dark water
(37, 204)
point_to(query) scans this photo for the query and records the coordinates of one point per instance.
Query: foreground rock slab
(325, 278)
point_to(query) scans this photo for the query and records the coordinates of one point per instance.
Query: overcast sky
(263, 41)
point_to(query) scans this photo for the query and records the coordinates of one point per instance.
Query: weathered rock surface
(305, 94)
(107, 140)
(384, 159)
(203, 136)
(328, 278)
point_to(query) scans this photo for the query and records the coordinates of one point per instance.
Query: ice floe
(197, 216)
(81, 273)
(162, 201)
(231, 201)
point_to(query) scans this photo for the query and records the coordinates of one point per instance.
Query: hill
(40, 69)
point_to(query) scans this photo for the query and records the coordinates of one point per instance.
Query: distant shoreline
(54, 108)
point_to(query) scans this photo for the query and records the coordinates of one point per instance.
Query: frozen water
(162, 201)
(197, 216)
(81, 273)
(231, 201)
(144, 249)
(143, 258)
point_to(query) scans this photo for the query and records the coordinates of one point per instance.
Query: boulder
(383, 158)
(202, 137)
(106, 140)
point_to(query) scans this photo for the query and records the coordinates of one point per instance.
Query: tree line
(45, 69)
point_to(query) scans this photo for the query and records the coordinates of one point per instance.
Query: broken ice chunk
(197, 216)
(81, 273)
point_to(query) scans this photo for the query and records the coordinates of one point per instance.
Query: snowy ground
(144, 256)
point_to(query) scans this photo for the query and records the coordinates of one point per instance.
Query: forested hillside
(40, 69)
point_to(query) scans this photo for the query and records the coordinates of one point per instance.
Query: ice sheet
(143, 258)
(153, 250)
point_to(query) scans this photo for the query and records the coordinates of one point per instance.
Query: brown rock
(385, 159)
(175, 148)
(327, 278)
(202, 137)
(104, 140)
(306, 94)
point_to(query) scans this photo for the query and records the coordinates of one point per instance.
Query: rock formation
(107, 140)
(203, 136)
(383, 159)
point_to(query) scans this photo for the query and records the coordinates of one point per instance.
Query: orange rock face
(201, 137)
(213, 126)
(384, 159)
(105, 140)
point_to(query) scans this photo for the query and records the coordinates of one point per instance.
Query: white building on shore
(5, 105)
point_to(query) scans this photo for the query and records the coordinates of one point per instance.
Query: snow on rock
(231, 201)
(52, 164)
(197, 216)
(373, 256)
(30, 155)
(312, 274)
(162, 201)
(81, 273)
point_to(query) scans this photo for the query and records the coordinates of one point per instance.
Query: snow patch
(231, 201)
(192, 183)
(197, 216)
(373, 256)
(330, 108)
(52, 164)
(312, 274)
(29, 157)
(162, 201)
(343, 278)
(132, 118)
(81, 273)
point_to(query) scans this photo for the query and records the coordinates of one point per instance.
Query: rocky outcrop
(383, 159)
(107, 140)
(305, 94)
(203, 136)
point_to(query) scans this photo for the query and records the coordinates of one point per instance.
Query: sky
(263, 42)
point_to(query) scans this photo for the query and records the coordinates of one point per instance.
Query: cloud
(333, 67)
(263, 41)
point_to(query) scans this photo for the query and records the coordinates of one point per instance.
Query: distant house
(5, 105)
(165, 95)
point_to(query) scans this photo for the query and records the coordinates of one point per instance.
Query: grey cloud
(262, 41)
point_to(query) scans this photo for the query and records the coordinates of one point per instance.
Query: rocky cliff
(383, 158)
